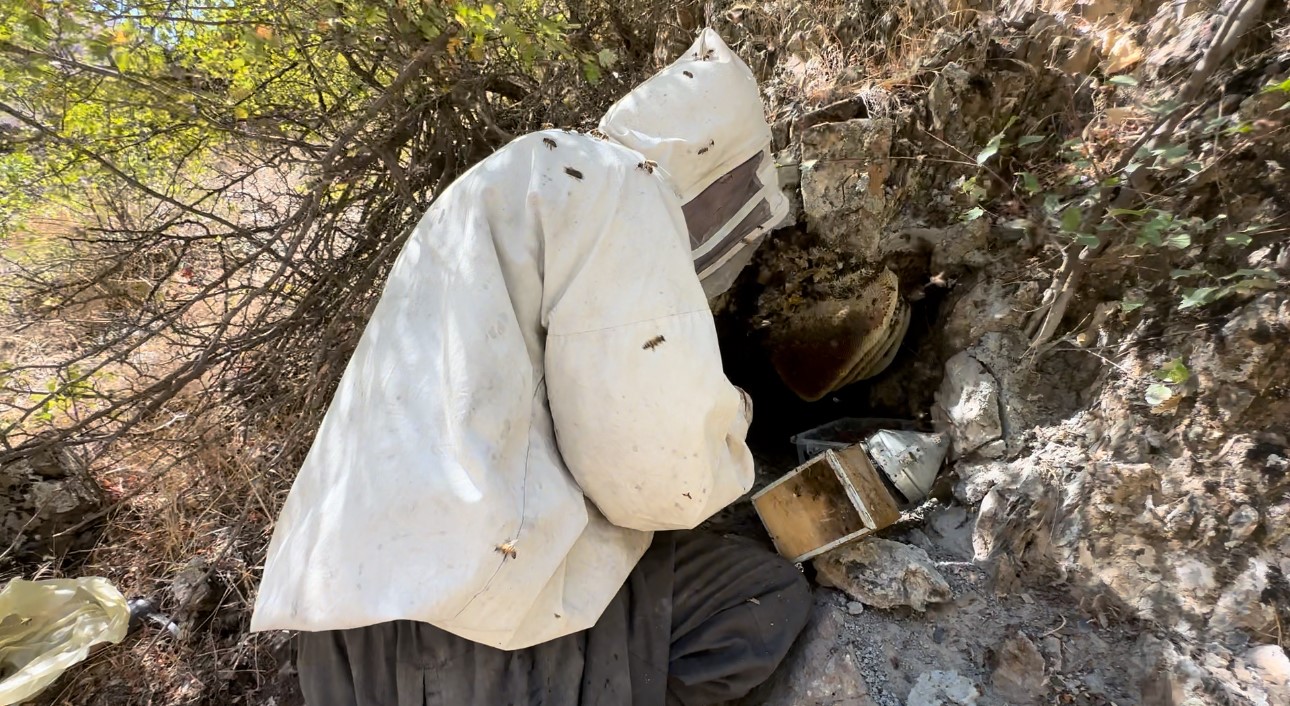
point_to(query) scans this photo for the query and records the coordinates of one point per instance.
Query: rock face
(884, 574)
(1019, 675)
(1177, 515)
(942, 688)
(819, 669)
(42, 495)
(844, 168)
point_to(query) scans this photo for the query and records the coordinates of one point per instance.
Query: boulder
(968, 406)
(884, 574)
(942, 688)
(1019, 674)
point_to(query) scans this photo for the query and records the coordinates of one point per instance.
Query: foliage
(1093, 199)
(238, 176)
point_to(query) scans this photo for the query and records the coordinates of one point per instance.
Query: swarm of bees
(648, 166)
(653, 343)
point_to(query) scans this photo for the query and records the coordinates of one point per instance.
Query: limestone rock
(1272, 666)
(953, 248)
(941, 688)
(884, 574)
(1242, 522)
(1241, 606)
(1019, 675)
(844, 168)
(818, 670)
(968, 404)
(988, 306)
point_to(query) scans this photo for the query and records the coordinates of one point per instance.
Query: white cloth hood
(701, 120)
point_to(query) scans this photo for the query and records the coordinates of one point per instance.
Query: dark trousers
(701, 620)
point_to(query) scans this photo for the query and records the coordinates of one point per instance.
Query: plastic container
(841, 433)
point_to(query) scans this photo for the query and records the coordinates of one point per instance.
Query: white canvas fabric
(539, 387)
(702, 117)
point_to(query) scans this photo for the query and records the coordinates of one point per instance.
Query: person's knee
(793, 599)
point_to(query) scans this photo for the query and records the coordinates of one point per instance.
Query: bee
(550, 144)
(506, 549)
(653, 343)
(648, 166)
(688, 495)
(688, 74)
(573, 172)
(596, 133)
(710, 145)
(707, 55)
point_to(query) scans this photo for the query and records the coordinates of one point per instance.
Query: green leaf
(607, 58)
(1128, 305)
(1282, 87)
(1072, 217)
(591, 71)
(1088, 240)
(1174, 371)
(1261, 272)
(1199, 296)
(1123, 80)
(1162, 108)
(973, 214)
(1239, 238)
(1179, 240)
(990, 150)
(1029, 183)
(1028, 140)
(1179, 274)
(1121, 212)
(37, 26)
(1172, 153)
(1152, 232)
(1158, 394)
(1252, 285)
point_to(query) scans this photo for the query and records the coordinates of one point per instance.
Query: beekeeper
(495, 508)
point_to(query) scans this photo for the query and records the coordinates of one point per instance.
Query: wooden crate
(834, 498)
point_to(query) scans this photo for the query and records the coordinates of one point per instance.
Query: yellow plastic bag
(47, 626)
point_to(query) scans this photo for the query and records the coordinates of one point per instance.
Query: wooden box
(832, 499)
